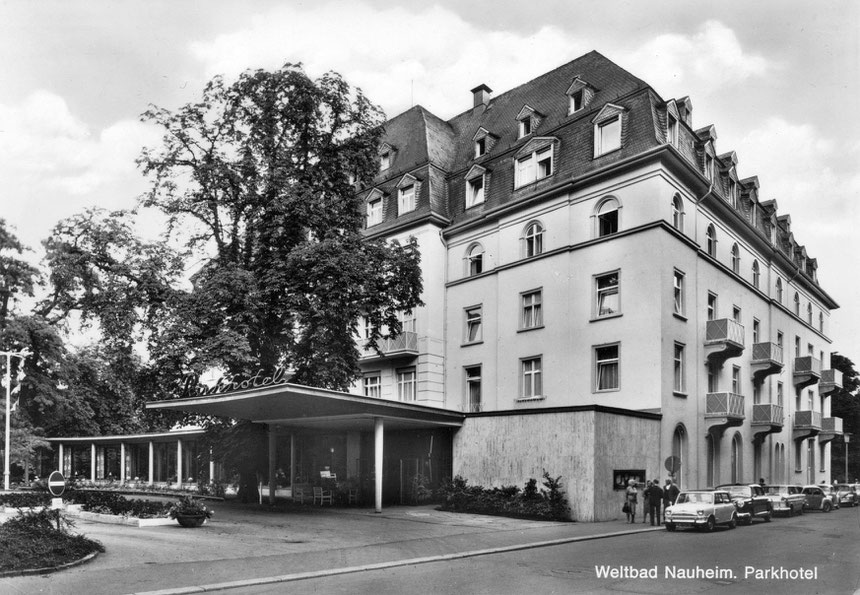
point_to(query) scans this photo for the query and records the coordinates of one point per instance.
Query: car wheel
(734, 522)
(670, 527)
(827, 506)
(709, 525)
(768, 516)
(748, 520)
(790, 511)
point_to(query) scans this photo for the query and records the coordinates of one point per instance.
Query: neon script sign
(191, 386)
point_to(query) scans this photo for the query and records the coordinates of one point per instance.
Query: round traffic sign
(56, 484)
(672, 464)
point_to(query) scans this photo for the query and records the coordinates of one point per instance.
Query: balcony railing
(830, 381)
(767, 414)
(724, 405)
(807, 420)
(766, 353)
(831, 425)
(406, 343)
(807, 365)
(724, 330)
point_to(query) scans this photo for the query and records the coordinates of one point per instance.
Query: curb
(49, 569)
(299, 576)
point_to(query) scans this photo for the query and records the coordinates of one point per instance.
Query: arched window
(474, 260)
(796, 304)
(678, 213)
(711, 236)
(607, 217)
(809, 313)
(779, 290)
(533, 239)
(679, 450)
(736, 259)
(756, 273)
(737, 459)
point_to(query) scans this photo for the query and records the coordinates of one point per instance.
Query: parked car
(834, 495)
(787, 499)
(750, 500)
(701, 509)
(817, 498)
(847, 494)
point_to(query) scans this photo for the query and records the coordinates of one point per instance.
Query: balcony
(403, 346)
(766, 360)
(767, 418)
(807, 371)
(806, 424)
(831, 380)
(831, 427)
(724, 339)
(723, 410)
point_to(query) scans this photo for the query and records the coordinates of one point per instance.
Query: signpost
(56, 484)
(673, 465)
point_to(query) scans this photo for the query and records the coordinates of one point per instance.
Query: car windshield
(778, 489)
(694, 498)
(736, 490)
(844, 487)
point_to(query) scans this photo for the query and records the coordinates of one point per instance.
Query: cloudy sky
(780, 80)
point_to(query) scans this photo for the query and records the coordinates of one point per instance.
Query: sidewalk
(249, 545)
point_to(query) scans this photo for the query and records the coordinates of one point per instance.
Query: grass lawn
(26, 545)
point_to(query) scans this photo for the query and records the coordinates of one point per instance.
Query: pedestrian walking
(655, 498)
(632, 498)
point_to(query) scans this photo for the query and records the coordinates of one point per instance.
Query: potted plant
(189, 512)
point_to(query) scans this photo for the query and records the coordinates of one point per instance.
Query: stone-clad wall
(581, 445)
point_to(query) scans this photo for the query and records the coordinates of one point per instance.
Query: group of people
(654, 496)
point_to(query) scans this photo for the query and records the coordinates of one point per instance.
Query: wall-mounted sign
(191, 386)
(620, 477)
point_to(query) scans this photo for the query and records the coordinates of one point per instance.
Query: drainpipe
(700, 419)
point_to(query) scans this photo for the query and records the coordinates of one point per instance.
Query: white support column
(178, 463)
(273, 453)
(93, 462)
(151, 463)
(122, 462)
(211, 467)
(292, 462)
(378, 432)
(62, 458)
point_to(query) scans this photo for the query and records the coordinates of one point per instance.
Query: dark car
(750, 500)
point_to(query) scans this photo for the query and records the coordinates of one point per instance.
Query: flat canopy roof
(297, 406)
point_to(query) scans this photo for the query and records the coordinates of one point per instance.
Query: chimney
(481, 95)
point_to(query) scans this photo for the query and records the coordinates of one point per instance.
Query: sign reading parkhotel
(191, 386)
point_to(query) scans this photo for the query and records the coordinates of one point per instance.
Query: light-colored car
(847, 494)
(834, 495)
(701, 509)
(817, 498)
(786, 499)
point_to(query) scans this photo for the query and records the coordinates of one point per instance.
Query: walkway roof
(304, 407)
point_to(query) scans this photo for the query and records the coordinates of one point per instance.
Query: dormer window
(475, 181)
(709, 167)
(672, 130)
(608, 126)
(374, 212)
(528, 120)
(483, 142)
(385, 160)
(579, 94)
(480, 146)
(525, 127)
(534, 162)
(406, 199)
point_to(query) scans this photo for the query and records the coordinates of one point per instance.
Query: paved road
(826, 544)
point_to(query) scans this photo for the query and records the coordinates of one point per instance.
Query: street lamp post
(846, 437)
(9, 355)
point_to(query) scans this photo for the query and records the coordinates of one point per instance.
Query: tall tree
(262, 173)
(845, 403)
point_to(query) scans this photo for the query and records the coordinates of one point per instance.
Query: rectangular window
(679, 368)
(475, 192)
(679, 293)
(576, 102)
(736, 380)
(607, 299)
(779, 394)
(606, 372)
(373, 385)
(525, 127)
(535, 166)
(480, 147)
(407, 321)
(532, 309)
(406, 384)
(473, 388)
(709, 167)
(779, 338)
(608, 137)
(736, 314)
(713, 381)
(374, 212)
(368, 327)
(712, 306)
(473, 324)
(756, 326)
(796, 346)
(810, 400)
(810, 350)
(406, 199)
(385, 161)
(531, 386)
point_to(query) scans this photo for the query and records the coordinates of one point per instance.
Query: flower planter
(191, 520)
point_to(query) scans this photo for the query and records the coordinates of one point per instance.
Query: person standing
(646, 508)
(670, 492)
(632, 495)
(655, 497)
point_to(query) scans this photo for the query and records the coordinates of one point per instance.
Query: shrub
(41, 539)
(25, 499)
(546, 504)
(114, 503)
